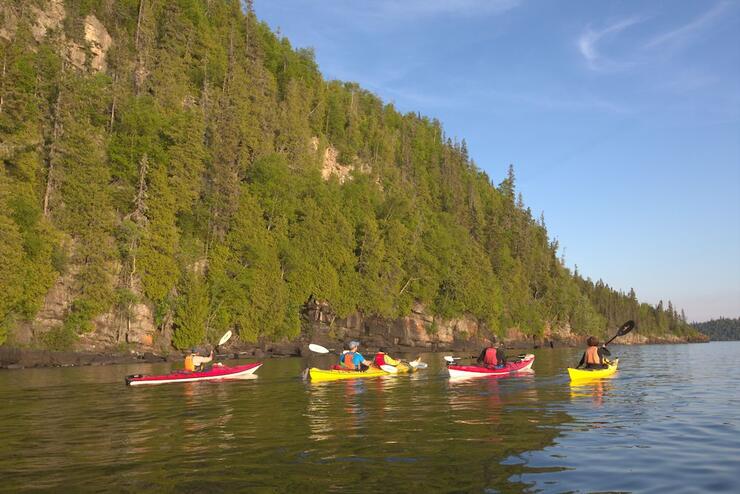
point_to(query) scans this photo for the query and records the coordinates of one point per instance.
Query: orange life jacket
(189, 364)
(592, 355)
(490, 359)
(379, 359)
(347, 360)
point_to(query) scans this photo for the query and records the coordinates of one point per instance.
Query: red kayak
(216, 372)
(524, 364)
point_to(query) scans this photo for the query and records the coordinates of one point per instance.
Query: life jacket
(347, 360)
(490, 359)
(592, 355)
(189, 364)
(379, 359)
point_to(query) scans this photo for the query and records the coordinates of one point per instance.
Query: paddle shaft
(623, 330)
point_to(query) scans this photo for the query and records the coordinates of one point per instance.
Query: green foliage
(59, 339)
(722, 329)
(188, 176)
(191, 314)
(79, 318)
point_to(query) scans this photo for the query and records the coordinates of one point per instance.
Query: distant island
(722, 329)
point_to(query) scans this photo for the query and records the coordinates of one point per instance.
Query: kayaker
(382, 358)
(492, 356)
(353, 359)
(595, 356)
(194, 362)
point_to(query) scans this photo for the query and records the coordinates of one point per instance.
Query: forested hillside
(722, 329)
(180, 160)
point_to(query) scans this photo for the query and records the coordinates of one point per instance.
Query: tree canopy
(187, 175)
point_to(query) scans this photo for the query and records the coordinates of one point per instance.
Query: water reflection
(595, 389)
(84, 428)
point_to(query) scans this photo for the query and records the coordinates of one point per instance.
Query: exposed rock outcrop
(99, 41)
(49, 18)
(418, 330)
(331, 167)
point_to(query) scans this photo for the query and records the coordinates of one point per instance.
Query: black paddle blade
(626, 328)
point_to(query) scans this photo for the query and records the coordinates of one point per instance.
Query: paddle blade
(317, 348)
(450, 358)
(389, 369)
(224, 338)
(626, 328)
(421, 365)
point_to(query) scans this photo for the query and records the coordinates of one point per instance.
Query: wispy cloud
(588, 43)
(681, 33)
(641, 49)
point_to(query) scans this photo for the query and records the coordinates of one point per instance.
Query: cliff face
(419, 330)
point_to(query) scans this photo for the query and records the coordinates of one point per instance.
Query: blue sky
(621, 118)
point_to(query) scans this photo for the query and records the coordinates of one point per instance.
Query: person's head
(592, 341)
(381, 350)
(193, 350)
(353, 345)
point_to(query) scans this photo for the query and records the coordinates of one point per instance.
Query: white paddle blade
(449, 358)
(389, 369)
(421, 365)
(224, 338)
(317, 348)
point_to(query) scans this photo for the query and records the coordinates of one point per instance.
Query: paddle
(319, 349)
(623, 330)
(416, 364)
(224, 339)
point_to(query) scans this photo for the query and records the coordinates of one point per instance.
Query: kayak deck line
(216, 373)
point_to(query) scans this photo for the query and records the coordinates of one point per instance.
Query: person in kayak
(194, 362)
(353, 360)
(595, 356)
(382, 358)
(492, 357)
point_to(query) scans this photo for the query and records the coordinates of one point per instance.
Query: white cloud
(589, 40)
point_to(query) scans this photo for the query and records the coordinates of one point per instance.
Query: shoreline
(17, 358)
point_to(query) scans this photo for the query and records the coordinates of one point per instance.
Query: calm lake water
(668, 421)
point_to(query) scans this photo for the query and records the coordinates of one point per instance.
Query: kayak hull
(216, 373)
(468, 371)
(586, 374)
(320, 375)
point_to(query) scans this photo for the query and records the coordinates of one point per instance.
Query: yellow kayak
(585, 374)
(334, 374)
